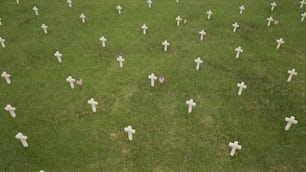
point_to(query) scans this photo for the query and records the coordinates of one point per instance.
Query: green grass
(64, 135)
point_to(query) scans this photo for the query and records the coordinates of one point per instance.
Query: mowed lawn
(63, 133)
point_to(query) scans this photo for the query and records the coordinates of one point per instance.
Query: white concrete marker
(198, 61)
(0, 21)
(235, 146)
(178, 20)
(35, 9)
(45, 28)
(190, 104)
(303, 2)
(93, 104)
(270, 20)
(235, 26)
(71, 81)
(290, 121)
(6, 76)
(202, 34)
(130, 132)
(303, 16)
(11, 110)
(241, 87)
(209, 14)
(241, 8)
(2, 42)
(149, 3)
(23, 139)
(144, 28)
(17, 1)
(273, 5)
(119, 8)
(238, 51)
(103, 41)
(152, 77)
(280, 41)
(83, 17)
(120, 60)
(166, 44)
(59, 56)
(291, 74)
(69, 2)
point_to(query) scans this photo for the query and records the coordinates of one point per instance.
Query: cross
(103, 41)
(35, 9)
(23, 139)
(234, 147)
(69, 3)
(152, 77)
(11, 110)
(17, 1)
(83, 17)
(2, 42)
(119, 8)
(120, 60)
(290, 121)
(303, 2)
(280, 41)
(44, 27)
(149, 3)
(144, 27)
(238, 51)
(209, 13)
(130, 132)
(198, 62)
(235, 26)
(0, 21)
(270, 19)
(71, 81)
(178, 20)
(166, 44)
(177, 1)
(59, 56)
(242, 8)
(190, 104)
(93, 104)
(241, 87)
(303, 16)
(291, 74)
(273, 4)
(202, 34)
(6, 76)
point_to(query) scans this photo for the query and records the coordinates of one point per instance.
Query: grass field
(63, 133)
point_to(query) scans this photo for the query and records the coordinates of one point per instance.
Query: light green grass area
(63, 133)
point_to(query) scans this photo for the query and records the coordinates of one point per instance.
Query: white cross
(6, 76)
(120, 60)
(273, 4)
(59, 56)
(17, 1)
(177, 1)
(22, 138)
(238, 51)
(178, 20)
(166, 44)
(202, 34)
(234, 147)
(0, 21)
(149, 3)
(280, 41)
(11, 110)
(93, 104)
(103, 41)
(44, 27)
(241, 87)
(290, 121)
(190, 104)
(119, 8)
(209, 14)
(130, 132)
(291, 74)
(303, 2)
(69, 3)
(235, 26)
(71, 81)
(242, 8)
(303, 16)
(270, 19)
(83, 17)
(198, 62)
(35, 9)
(152, 77)
(144, 28)
(2, 42)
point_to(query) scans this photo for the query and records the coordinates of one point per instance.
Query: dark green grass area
(64, 135)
